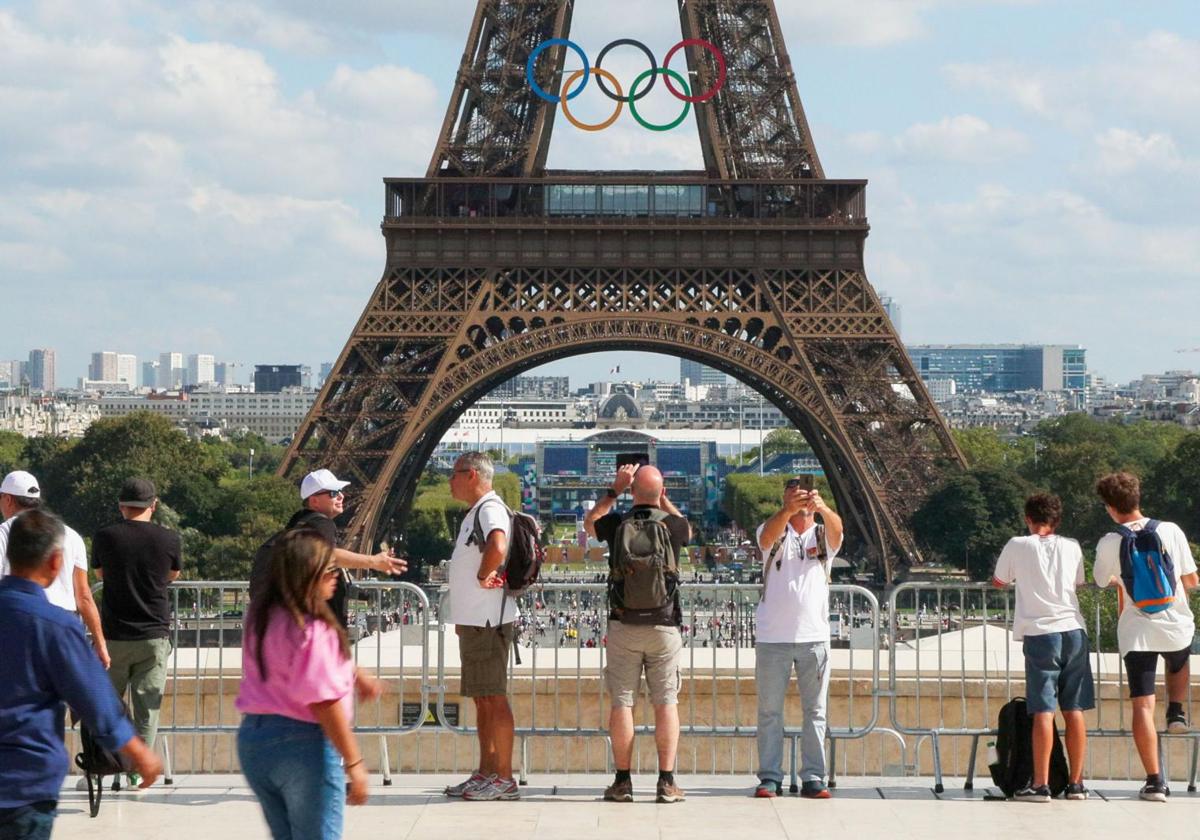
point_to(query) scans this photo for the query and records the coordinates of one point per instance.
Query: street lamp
(252, 463)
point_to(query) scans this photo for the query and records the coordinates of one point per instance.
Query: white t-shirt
(1046, 571)
(61, 593)
(795, 605)
(1169, 630)
(470, 603)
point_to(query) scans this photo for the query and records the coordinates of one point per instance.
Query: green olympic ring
(632, 99)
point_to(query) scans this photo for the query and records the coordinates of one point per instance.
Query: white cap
(21, 483)
(320, 480)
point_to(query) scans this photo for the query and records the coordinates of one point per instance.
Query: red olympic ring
(717, 54)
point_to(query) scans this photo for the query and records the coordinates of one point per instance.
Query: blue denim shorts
(1058, 673)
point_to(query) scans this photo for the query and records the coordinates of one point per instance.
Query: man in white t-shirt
(1046, 569)
(483, 615)
(1144, 636)
(19, 491)
(793, 632)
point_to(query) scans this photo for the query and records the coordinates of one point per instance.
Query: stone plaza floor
(568, 807)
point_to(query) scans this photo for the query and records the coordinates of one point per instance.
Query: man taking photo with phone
(793, 632)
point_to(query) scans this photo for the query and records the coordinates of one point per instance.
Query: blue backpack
(1146, 568)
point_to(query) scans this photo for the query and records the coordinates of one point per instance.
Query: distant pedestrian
(643, 621)
(46, 662)
(138, 559)
(1163, 626)
(484, 617)
(295, 744)
(1046, 570)
(72, 591)
(793, 633)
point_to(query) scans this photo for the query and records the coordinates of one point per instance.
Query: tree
(988, 448)
(1171, 491)
(12, 450)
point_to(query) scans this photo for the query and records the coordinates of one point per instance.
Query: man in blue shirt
(46, 661)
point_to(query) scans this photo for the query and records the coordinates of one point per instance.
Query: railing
(619, 199)
(958, 637)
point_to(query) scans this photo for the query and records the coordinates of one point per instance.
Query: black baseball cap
(137, 493)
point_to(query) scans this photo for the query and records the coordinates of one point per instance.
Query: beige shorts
(484, 654)
(634, 648)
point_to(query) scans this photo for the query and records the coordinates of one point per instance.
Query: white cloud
(1121, 151)
(964, 139)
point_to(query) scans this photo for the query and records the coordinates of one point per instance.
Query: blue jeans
(29, 822)
(773, 671)
(296, 774)
(1058, 673)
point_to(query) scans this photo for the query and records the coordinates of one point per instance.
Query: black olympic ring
(626, 42)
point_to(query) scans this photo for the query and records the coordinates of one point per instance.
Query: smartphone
(804, 482)
(639, 458)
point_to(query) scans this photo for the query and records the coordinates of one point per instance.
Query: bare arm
(621, 482)
(336, 727)
(775, 527)
(174, 575)
(494, 552)
(1190, 582)
(90, 615)
(833, 522)
(669, 506)
(384, 561)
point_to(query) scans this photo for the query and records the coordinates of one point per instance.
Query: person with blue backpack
(1152, 566)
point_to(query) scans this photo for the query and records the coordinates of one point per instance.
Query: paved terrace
(569, 806)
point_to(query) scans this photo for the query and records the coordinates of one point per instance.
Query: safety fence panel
(953, 664)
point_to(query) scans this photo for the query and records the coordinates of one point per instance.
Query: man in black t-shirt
(321, 493)
(137, 560)
(653, 646)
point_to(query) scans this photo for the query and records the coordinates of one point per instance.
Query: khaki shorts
(633, 648)
(484, 654)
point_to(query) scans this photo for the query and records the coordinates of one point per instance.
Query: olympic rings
(627, 42)
(600, 74)
(720, 83)
(634, 93)
(542, 47)
(687, 105)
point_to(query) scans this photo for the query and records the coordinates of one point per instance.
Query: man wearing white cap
(321, 492)
(20, 492)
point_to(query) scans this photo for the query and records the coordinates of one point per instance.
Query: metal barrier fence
(958, 636)
(949, 658)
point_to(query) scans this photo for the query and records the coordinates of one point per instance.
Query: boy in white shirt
(1143, 636)
(1046, 569)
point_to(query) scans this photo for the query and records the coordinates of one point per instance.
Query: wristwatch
(611, 493)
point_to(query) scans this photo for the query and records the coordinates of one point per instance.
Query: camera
(804, 482)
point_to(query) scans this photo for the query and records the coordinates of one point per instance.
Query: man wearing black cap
(137, 560)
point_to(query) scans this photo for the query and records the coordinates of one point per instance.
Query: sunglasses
(333, 494)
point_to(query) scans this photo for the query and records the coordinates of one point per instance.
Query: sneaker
(133, 782)
(619, 791)
(815, 790)
(1177, 723)
(1029, 793)
(494, 789)
(668, 792)
(456, 791)
(768, 789)
(1076, 790)
(82, 784)
(1153, 792)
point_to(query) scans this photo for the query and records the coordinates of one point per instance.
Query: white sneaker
(82, 783)
(495, 789)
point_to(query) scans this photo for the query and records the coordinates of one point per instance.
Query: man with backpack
(484, 616)
(643, 621)
(1152, 566)
(1046, 569)
(793, 632)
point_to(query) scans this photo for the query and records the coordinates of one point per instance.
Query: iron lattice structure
(755, 267)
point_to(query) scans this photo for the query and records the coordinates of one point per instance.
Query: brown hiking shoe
(669, 792)
(619, 792)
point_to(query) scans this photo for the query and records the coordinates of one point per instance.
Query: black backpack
(96, 762)
(643, 577)
(1014, 748)
(523, 563)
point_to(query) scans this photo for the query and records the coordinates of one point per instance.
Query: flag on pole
(617, 369)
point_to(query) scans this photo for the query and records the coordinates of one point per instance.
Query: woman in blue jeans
(295, 743)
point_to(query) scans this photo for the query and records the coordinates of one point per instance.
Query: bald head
(647, 486)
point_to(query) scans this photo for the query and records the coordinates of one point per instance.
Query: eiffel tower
(754, 266)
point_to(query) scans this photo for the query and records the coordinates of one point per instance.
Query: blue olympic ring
(557, 42)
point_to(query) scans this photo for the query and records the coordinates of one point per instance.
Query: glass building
(1000, 368)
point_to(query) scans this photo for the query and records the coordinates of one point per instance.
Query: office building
(892, 308)
(533, 388)
(103, 367)
(12, 372)
(201, 370)
(41, 370)
(150, 374)
(170, 371)
(1003, 368)
(127, 369)
(326, 370)
(271, 379)
(275, 416)
(222, 374)
(694, 373)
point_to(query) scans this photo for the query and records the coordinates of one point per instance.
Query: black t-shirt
(677, 527)
(137, 559)
(328, 529)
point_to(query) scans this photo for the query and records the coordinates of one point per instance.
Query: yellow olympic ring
(598, 126)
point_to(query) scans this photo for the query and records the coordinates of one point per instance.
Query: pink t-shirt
(303, 666)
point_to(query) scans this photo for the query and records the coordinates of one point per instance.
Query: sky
(206, 176)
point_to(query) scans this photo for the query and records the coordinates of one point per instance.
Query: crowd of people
(296, 743)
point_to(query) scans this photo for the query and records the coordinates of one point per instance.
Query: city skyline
(1019, 186)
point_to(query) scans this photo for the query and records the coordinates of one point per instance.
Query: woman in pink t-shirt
(296, 741)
